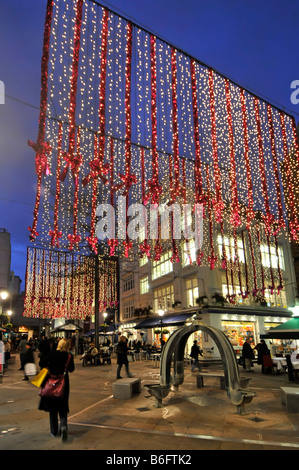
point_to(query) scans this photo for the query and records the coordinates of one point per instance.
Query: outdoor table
(155, 357)
(279, 362)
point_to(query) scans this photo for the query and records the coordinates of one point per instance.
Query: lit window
(163, 266)
(192, 292)
(270, 259)
(229, 246)
(163, 298)
(144, 285)
(128, 283)
(129, 309)
(188, 253)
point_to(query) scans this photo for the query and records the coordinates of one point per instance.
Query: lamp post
(161, 313)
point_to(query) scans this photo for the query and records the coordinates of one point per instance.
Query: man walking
(195, 351)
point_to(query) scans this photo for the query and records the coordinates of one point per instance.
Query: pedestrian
(247, 354)
(262, 350)
(195, 351)
(23, 349)
(44, 348)
(122, 356)
(56, 362)
(7, 349)
(28, 359)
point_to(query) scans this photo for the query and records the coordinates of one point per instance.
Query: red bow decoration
(145, 248)
(41, 161)
(158, 252)
(155, 190)
(55, 235)
(175, 255)
(113, 243)
(73, 239)
(128, 180)
(74, 162)
(254, 292)
(34, 234)
(97, 170)
(92, 242)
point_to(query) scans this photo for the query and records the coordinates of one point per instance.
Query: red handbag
(55, 384)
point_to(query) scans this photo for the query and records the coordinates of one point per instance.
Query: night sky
(255, 43)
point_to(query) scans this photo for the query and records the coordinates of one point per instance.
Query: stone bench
(290, 399)
(244, 381)
(125, 388)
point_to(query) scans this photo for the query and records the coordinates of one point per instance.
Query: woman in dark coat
(56, 362)
(122, 356)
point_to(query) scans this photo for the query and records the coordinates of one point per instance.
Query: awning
(287, 330)
(264, 312)
(67, 327)
(168, 320)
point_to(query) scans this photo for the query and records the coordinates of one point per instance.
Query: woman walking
(122, 357)
(57, 361)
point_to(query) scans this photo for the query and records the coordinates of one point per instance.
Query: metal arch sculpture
(174, 351)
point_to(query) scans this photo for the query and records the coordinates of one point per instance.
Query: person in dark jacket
(262, 350)
(195, 351)
(122, 357)
(247, 354)
(56, 362)
(44, 348)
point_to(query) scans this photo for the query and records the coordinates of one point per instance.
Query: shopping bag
(30, 369)
(39, 379)
(53, 387)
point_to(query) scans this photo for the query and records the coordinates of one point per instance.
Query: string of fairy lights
(124, 113)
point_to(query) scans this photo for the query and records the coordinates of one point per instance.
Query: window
(143, 260)
(191, 291)
(163, 266)
(163, 298)
(128, 283)
(229, 245)
(276, 300)
(270, 259)
(129, 309)
(188, 252)
(144, 285)
(236, 290)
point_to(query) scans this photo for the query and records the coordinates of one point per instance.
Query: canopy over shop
(287, 330)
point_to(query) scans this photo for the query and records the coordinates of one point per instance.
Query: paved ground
(191, 419)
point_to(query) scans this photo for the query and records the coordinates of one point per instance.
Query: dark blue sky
(255, 43)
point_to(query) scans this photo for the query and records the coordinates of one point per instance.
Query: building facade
(182, 289)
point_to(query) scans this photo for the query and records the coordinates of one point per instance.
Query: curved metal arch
(174, 351)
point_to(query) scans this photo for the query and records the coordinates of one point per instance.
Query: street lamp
(3, 297)
(161, 313)
(3, 294)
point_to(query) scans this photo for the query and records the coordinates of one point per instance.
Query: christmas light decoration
(123, 113)
(63, 284)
